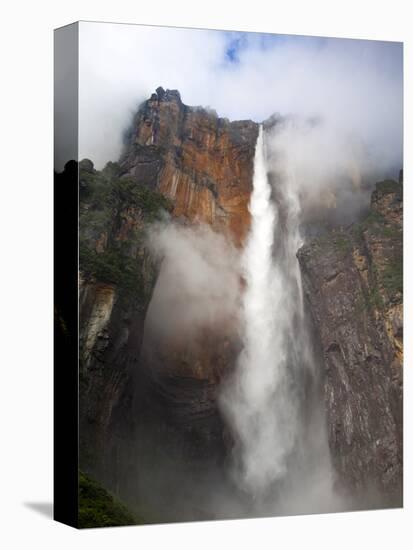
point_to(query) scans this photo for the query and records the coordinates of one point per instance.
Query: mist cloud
(198, 285)
(330, 173)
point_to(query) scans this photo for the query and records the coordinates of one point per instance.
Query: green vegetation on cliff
(376, 242)
(112, 266)
(392, 276)
(98, 508)
(126, 192)
(108, 191)
(114, 213)
(389, 187)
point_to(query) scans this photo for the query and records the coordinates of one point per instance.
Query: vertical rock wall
(353, 285)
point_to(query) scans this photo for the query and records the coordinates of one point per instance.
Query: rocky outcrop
(201, 162)
(98, 508)
(353, 285)
(117, 276)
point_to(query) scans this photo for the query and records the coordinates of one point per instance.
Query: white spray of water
(257, 402)
(278, 446)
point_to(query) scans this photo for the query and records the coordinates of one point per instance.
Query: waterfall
(265, 399)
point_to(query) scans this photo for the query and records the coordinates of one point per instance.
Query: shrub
(392, 276)
(112, 266)
(98, 508)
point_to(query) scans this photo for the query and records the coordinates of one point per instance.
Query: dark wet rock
(353, 284)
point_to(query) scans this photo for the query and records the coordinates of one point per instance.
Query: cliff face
(153, 409)
(198, 167)
(201, 162)
(353, 284)
(117, 276)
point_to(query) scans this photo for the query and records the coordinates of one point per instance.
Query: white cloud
(121, 65)
(355, 85)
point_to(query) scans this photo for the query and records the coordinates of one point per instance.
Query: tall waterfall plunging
(265, 401)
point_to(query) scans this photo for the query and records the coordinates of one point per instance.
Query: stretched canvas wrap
(228, 274)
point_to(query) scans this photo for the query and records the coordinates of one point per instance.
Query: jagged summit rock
(166, 95)
(160, 92)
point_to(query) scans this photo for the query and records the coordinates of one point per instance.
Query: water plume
(272, 401)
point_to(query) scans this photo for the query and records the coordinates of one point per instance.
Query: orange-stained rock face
(203, 163)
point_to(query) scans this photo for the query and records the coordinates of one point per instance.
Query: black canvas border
(66, 261)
